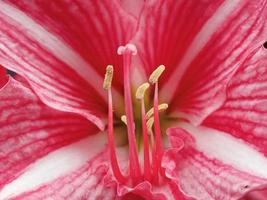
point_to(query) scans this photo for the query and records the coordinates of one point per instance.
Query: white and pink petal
(244, 113)
(208, 164)
(30, 130)
(62, 49)
(75, 171)
(200, 53)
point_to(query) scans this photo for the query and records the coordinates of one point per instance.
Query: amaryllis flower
(133, 100)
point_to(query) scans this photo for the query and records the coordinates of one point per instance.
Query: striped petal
(211, 165)
(62, 49)
(200, 53)
(244, 114)
(72, 172)
(89, 179)
(29, 130)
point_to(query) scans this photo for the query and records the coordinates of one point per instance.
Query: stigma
(150, 167)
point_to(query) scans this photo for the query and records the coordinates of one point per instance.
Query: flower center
(150, 170)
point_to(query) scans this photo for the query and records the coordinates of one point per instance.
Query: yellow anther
(141, 90)
(124, 119)
(108, 77)
(149, 125)
(156, 74)
(161, 107)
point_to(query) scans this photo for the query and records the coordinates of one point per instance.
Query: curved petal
(200, 53)
(144, 190)
(63, 47)
(72, 172)
(3, 76)
(244, 114)
(213, 165)
(29, 130)
(256, 195)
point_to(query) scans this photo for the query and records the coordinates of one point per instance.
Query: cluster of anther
(152, 142)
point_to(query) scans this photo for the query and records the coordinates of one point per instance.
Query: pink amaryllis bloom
(182, 114)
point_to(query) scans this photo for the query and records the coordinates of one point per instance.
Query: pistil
(127, 52)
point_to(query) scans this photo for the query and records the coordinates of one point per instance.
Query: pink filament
(134, 161)
(158, 142)
(113, 158)
(147, 173)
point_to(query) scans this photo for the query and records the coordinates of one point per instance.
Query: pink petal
(72, 172)
(244, 114)
(145, 190)
(30, 130)
(200, 53)
(62, 49)
(168, 190)
(133, 7)
(91, 178)
(210, 165)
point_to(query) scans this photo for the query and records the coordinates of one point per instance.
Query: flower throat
(151, 131)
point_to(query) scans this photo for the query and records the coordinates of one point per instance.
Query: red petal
(30, 130)
(3, 76)
(244, 114)
(200, 53)
(62, 48)
(256, 195)
(205, 170)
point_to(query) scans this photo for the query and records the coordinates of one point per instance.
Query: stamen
(127, 52)
(113, 157)
(149, 124)
(140, 92)
(108, 77)
(158, 142)
(156, 74)
(161, 107)
(158, 151)
(124, 119)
